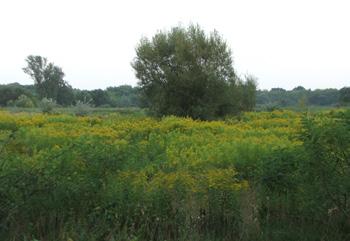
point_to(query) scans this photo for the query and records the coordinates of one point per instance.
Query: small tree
(248, 91)
(48, 79)
(184, 72)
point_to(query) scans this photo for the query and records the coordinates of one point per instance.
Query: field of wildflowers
(117, 177)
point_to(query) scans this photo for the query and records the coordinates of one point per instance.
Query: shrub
(47, 105)
(24, 101)
(82, 108)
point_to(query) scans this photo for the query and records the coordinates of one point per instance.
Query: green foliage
(48, 80)
(327, 168)
(123, 96)
(65, 95)
(82, 96)
(298, 97)
(118, 177)
(47, 105)
(82, 109)
(344, 95)
(247, 93)
(99, 97)
(22, 101)
(184, 72)
(11, 92)
(266, 176)
(303, 192)
(127, 96)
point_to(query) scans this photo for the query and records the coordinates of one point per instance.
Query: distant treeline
(26, 96)
(300, 97)
(128, 96)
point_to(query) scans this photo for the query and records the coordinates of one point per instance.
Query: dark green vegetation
(11, 92)
(48, 80)
(265, 176)
(184, 72)
(301, 98)
(25, 97)
(122, 96)
(49, 85)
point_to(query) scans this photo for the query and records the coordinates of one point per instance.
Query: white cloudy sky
(284, 43)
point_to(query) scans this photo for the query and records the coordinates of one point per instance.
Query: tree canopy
(185, 72)
(344, 97)
(279, 98)
(48, 80)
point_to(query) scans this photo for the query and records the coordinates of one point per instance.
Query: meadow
(278, 175)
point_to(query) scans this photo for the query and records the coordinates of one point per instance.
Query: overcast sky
(283, 43)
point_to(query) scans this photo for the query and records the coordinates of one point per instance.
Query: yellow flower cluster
(167, 154)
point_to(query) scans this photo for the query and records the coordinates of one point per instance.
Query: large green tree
(48, 79)
(188, 73)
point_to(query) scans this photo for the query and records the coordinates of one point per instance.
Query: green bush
(22, 101)
(82, 108)
(47, 106)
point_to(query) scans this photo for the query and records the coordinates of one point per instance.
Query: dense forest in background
(301, 97)
(121, 96)
(128, 96)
